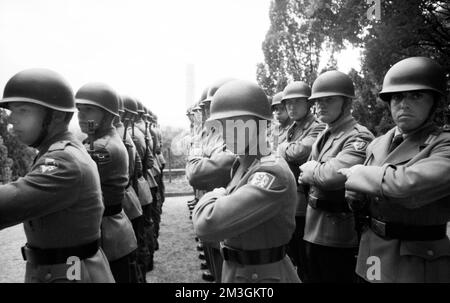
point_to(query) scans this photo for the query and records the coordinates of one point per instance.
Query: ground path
(176, 261)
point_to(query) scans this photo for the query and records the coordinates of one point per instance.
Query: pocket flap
(428, 250)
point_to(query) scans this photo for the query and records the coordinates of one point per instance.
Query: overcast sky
(140, 48)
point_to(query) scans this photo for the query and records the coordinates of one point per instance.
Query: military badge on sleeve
(48, 166)
(360, 145)
(101, 156)
(261, 179)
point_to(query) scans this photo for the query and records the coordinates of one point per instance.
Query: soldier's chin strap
(44, 130)
(344, 107)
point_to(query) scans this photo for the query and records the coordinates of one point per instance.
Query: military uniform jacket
(118, 239)
(143, 150)
(409, 186)
(212, 168)
(139, 140)
(255, 211)
(159, 153)
(131, 204)
(60, 204)
(346, 146)
(278, 134)
(156, 148)
(296, 150)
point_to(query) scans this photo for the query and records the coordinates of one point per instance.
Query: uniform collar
(43, 148)
(410, 147)
(285, 125)
(305, 122)
(340, 124)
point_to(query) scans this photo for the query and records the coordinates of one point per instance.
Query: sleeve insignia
(101, 156)
(262, 179)
(48, 166)
(360, 145)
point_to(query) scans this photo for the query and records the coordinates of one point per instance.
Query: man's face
(26, 119)
(197, 115)
(280, 113)
(239, 133)
(297, 108)
(89, 112)
(329, 108)
(410, 109)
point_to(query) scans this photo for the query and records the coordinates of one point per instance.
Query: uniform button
(48, 276)
(430, 253)
(254, 276)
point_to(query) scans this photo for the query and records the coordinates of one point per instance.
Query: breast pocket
(57, 273)
(425, 261)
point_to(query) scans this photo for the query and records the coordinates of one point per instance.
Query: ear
(58, 116)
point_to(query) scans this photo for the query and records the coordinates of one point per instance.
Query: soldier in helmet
(151, 170)
(59, 201)
(253, 216)
(330, 235)
(156, 171)
(131, 203)
(142, 186)
(155, 131)
(280, 123)
(404, 183)
(97, 102)
(296, 150)
(210, 169)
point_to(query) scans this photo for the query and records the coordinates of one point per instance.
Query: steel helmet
(146, 113)
(296, 89)
(39, 86)
(238, 98)
(121, 108)
(203, 97)
(414, 73)
(196, 106)
(100, 95)
(214, 87)
(276, 99)
(130, 105)
(140, 107)
(332, 83)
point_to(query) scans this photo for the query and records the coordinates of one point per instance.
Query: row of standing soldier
(366, 209)
(98, 201)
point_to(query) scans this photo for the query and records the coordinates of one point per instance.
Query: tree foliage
(406, 28)
(20, 156)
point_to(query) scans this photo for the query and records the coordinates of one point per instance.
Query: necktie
(323, 140)
(398, 139)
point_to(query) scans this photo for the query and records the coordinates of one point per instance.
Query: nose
(404, 103)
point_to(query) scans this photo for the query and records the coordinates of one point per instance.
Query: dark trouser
(214, 260)
(143, 256)
(125, 269)
(155, 212)
(330, 264)
(149, 234)
(162, 189)
(296, 249)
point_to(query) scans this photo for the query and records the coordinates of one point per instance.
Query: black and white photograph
(199, 143)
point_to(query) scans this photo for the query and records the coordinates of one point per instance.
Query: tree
(407, 28)
(291, 48)
(174, 141)
(5, 164)
(21, 155)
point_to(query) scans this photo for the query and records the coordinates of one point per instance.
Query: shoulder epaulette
(59, 145)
